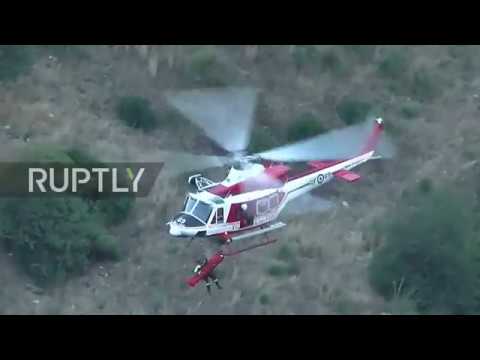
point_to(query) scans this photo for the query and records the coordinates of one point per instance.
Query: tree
(430, 248)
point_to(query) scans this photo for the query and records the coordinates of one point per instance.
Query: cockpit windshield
(202, 211)
(197, 208)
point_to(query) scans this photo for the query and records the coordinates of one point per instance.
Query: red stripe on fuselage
(272, 177)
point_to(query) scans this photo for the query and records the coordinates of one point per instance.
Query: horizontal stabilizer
(347, 175)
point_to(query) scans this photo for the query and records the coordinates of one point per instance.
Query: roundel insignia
(320, 179)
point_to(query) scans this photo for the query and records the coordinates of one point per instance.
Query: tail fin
(374, 137)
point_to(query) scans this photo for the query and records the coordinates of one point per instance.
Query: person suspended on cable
(208, 278)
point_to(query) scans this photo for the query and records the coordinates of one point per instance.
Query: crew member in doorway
(247, 215)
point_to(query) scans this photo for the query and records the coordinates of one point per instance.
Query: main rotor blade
(225, 114)
(176, 163)
(333, 145)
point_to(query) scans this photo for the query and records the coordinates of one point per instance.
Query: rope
(233, 253)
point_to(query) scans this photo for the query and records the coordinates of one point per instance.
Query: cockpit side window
(189, 204)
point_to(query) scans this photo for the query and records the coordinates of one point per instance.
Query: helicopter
(259, 187)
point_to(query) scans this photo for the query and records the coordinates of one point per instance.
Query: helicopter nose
(174, 230)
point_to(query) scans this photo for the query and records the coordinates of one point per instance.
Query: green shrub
(364, 53)
(115, 210)
(285, 253)
(262, 139)
(331, 61)
(51, 237)
(264, 299)
(304, 55)
(112, 210)
(54, 237)
(430, 248)
(15, 60)
(105, 246)
(277, 270)
(305, 126)
(136, 112)
(205, 69)
(394, 66)
(424, 85)
(410, 111)
(353, 111)
(425, 186)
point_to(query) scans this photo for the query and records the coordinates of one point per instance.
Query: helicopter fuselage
(254, 196)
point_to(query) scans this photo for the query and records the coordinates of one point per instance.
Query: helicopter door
(266, 208)
(218, 224)
(219, 216)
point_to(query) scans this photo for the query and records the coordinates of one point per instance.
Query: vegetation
(410, 110)
(305, 126)
(425, 186)
(353, 111)
(52, 237)
(285, 253)
(424, 85)
(15, 60)
(304, 55)
(66, 51)
(430, 253)
(55, 237)
(205, 69)
(394, 66)
(364, 53)
(330, 61)
(136, 112)
(262, 139)
(264, 299)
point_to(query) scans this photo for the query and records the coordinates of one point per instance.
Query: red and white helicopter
(259, 187)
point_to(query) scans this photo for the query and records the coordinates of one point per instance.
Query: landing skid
(241, 235)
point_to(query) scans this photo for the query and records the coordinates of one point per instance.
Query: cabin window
(219, 215)
(273, 201)
(262, 206)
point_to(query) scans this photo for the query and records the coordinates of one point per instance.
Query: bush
(264, 299)
(51, 237)
(429, 247)
(394, 66)
(353, 111)
(330, 61)
(424, 86)
(364, 53)
(112, 210)
(205, 69)
(304, 55)
(425, 186)
(136, 112)
(410, 111)
(54, 237)
(305, 126)
(15, 60)
(262, 139)
(277, 270)
(285, 253)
